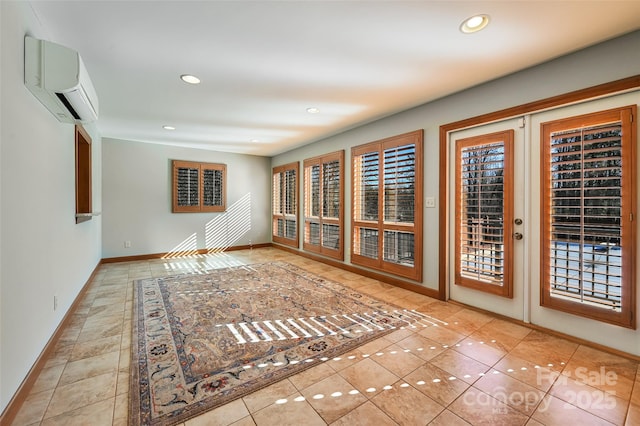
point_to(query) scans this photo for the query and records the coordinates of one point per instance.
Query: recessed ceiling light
(255, 140)
(191, 79)
(313, 110)
(474, 23)
(168, 127)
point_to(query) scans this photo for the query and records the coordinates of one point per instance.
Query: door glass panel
(484, 214)
(585, 194)
(587, 224)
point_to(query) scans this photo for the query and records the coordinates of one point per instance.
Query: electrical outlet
(430, 202)
(55, 302)
(127, 244)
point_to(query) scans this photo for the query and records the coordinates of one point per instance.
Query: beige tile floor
(471, 369)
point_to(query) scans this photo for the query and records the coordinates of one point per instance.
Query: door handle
(517, 236)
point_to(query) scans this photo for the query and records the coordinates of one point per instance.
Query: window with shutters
(589, 201)
(285, 204)
(387, 205)
(198, 187)
(484, 213)
(323, 208)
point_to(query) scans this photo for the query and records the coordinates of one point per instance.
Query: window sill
(88, 214)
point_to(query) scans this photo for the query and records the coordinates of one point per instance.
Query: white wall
(602, 63)
(43, 252)
(137, 201)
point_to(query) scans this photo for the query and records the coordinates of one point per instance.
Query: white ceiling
(263, 63)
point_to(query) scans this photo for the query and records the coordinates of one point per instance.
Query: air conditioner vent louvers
(66, 103)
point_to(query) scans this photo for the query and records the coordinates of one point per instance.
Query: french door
(487, 217)
(586, 246)
(554, 218)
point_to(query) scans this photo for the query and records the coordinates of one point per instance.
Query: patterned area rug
(200, 341)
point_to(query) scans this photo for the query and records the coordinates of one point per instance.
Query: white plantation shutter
(331, 189)
(323, 205)
(212, 187)
(399, 184)
(276, 195)
(587, 224)
(484, 200)
(290, 193)
(285, 204)
(188, 180)
(312, 204)
(314, 201)
(399, 202)
(586, 221)
(366, 184)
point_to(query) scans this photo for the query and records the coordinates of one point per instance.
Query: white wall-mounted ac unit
(57, 77)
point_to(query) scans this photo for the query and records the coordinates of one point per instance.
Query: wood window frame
(84, 202)
(279, 197)
(320, 219)
(626, 317)
(199, 207)
(411, 272)
(506, 289)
